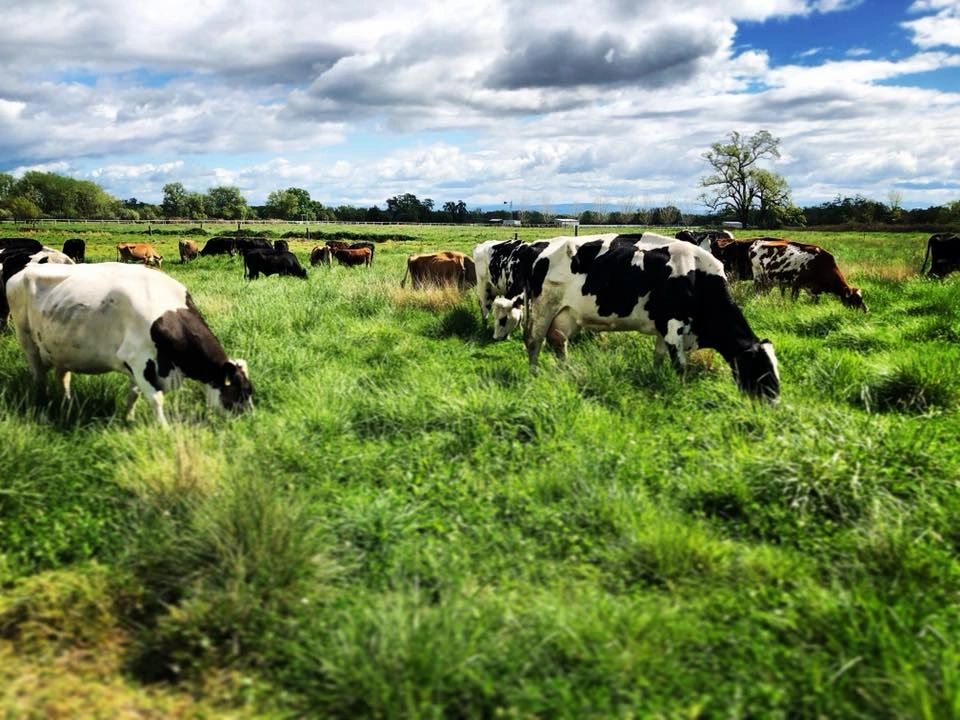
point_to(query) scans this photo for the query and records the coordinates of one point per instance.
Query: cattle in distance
(943, 251)
(140, 253)
(801, 266)
(188, 250)
(364, 244)
(75, 249)
(320, 255)
(441, 269)
(673, 290)
(110, 317)
(352, 257)
(271, 262)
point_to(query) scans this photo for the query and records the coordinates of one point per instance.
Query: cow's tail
(406, 272)
(925, 257)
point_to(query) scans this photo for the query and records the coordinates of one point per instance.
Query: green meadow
(411, 525)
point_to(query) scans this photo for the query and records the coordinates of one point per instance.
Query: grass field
(411, 525)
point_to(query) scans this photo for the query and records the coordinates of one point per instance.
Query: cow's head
(233, 392)
(853, 298)
(756, 372)
(507, 314)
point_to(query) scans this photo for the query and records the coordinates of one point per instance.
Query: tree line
(736, 189)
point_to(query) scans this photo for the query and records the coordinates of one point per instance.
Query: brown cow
(139, 252)
(353, 256)
(320, 255)
(800, 265)
(188, 250)
(442, 268)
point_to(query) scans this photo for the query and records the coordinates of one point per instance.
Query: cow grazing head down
(756, 371)
(853, 298)
(235, 392)
(507, 315)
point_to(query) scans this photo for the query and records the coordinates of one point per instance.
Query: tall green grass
(409, 524)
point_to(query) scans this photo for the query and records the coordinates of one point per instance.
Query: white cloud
(466, 100)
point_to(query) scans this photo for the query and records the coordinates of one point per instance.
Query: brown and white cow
(801, 266)
(320, 255)
(109, 317)
(139, 252)
(446, 268)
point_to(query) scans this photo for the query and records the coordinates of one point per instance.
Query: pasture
(409, 524)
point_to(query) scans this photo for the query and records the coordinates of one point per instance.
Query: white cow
(126, 318)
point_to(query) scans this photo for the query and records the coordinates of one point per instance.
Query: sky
(529, 102)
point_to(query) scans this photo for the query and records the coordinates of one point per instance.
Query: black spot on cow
(150, 375)
(617, 283)
(184, 341)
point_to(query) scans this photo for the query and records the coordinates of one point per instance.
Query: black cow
(75, 249)
(245, 245)
(281, 246)
(219, 246)
(672, 290)
(271, 262)
(943, 250)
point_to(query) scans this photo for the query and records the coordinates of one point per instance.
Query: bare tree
(733, 185)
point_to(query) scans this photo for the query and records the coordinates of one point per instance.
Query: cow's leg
(63, 377)
(132, 396)
(659, 351)
(535, 331)
(675, 342)
(153, 396)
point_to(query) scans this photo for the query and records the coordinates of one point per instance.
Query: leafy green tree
(225, 201)
(291, 204)
(775, 205)
(174, 200)
(733, 186)
(194, 206)
(406, 208)
(22, 208)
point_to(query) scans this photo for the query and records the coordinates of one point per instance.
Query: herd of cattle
(103, 317)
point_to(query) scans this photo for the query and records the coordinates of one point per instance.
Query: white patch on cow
(768, 349)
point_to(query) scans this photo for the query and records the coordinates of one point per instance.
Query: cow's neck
(184, 341)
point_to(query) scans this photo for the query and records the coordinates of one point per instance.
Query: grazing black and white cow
(655, 285)
(704, 238)
(271, 262)
(125, 318)
(498, 262)
(75, 249)
(943, 249)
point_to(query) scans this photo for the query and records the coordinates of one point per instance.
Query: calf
(800, 265)
(139, 252)
(320, 255)
(272, 262)
(363, 244)
(188, 250)
(111, 317)
(943, 249)
(352, 257)
(672, 290)
(219, 246)
(75, 249)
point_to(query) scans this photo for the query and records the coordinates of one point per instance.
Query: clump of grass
(60, 608)
(433, 299)
(909, 387)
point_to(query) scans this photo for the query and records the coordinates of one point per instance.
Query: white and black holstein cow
(499, 261)
(655, 285)
(113, 317)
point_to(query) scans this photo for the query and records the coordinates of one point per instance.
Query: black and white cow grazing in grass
(655, 285)
(113, 317)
